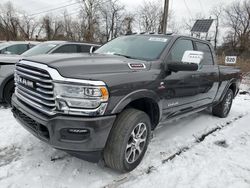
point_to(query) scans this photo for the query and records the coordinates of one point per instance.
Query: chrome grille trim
(45, 91)
(32, 77)
(35, 93)
(35, 99)
(32, 72)
(45, 86)
(34, 104)
(38, 95)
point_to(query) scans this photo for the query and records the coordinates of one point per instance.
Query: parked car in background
(16, 47)
(7, 63)
(105, 104)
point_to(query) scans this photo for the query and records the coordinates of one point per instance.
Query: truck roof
(69, 42)
(172, 35)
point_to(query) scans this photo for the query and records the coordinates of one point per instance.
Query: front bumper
(87, 139)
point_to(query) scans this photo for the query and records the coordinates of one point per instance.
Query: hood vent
(137, 66)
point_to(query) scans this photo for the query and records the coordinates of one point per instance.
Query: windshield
(136, 47)
(40, 49)
(3, 45)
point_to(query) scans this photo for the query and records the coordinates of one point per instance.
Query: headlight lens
(78, 96)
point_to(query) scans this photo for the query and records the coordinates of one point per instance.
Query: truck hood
(80, 65)
(9, 59)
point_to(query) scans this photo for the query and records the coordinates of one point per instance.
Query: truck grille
(35, 88)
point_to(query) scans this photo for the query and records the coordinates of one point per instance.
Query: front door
(181, 88)
(208, 74)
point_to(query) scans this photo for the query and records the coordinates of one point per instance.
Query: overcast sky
(179, 7)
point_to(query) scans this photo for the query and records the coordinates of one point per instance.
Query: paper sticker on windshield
(157, 39)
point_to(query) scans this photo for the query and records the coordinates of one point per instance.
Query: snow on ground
(221, 160)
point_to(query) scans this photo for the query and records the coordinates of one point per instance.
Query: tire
(8, 92)
(223, 108)
(122, 151)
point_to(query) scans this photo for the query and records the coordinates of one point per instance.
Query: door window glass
(17, 49)
(178, 50)
(84, 48)
(69, 48)
(208, 58)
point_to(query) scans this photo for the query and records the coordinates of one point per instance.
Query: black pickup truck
(105, 105)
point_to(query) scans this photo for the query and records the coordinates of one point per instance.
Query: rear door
(181, 88)
(83, 48)
(208, 74)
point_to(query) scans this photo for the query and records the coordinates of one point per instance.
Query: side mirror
(92, 49)
(176, 67)
(190, 62)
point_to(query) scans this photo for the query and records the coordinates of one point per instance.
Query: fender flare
(135, 95)
(230, 82)
(7, 75)
(5, 81)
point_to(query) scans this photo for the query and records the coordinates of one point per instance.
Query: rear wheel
(128, 140)
(8, 92)
(223, 108)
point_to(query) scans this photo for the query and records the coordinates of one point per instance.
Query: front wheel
(223, 108)
(128, 140)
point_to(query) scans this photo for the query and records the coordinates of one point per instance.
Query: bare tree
(27, 27)
(53, 28)
(9, 21)
(68, 26)
(217, 13)
(149, 16)
(128, 24)
(90, 18)
(237, 19)
(112, 13)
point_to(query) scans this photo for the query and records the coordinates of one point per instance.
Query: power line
(32, 15)
(49, 7)
(75, 12)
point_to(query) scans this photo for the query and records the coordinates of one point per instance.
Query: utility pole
(165, 17)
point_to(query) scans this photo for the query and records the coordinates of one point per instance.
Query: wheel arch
(232, 84)
(4, 84)
(144, 100)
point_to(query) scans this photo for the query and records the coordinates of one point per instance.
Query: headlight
(78, 96)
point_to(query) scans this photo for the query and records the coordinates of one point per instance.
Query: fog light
(78, 131)
(74, 134)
